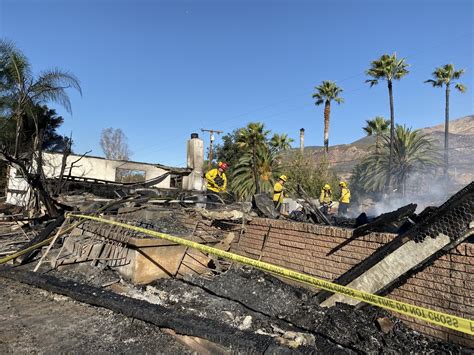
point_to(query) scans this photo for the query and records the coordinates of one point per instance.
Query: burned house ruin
(427, 260)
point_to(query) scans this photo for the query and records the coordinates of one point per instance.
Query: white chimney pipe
(195, 161)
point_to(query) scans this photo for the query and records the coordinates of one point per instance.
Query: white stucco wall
(17, 183)
(90, 167)
(99, 168)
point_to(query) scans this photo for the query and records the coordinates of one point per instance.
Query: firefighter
(344, 200)
(325, 199)
(278, 191)
(216, 179)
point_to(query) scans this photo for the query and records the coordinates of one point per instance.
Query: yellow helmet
(284, 178)
(327, 187)
(342, 184)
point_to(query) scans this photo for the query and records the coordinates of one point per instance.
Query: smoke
(425, 190)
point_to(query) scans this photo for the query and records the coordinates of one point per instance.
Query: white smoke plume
(422, 189)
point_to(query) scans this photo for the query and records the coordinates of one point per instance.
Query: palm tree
(280, 142)
(255, 174)
(327, 92)
(413, 153)
(445, 76)
(377, 127)
(21, 91)
(388, 68)
(259, 160)
(252, 139)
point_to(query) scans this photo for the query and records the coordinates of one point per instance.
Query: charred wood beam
(385, 219)
(381, 221)
(316, 213)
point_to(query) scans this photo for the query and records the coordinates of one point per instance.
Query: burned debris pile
(245, 310)
(224, 305)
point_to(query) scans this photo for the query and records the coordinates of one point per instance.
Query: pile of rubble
(218, 304)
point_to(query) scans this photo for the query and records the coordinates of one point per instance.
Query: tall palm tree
(388, 68)
(21, 91)
(445, 76)
(377, 127)
(251, 139)
(326, 92)
(413, 153)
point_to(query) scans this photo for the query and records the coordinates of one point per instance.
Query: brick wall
(304, 246)
(447, 285)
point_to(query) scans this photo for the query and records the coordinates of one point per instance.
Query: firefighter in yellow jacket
(278, 191)
(216, 179)
(345, 199)
(325, 199)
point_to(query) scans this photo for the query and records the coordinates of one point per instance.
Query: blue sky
(160, 70)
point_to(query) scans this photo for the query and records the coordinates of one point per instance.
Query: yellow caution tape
(38, 245)
(428, 315)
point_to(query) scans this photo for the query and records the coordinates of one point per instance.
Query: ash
(249, 300)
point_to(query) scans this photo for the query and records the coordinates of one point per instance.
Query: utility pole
(211, 142)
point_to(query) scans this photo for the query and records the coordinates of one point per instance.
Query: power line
(297, 95)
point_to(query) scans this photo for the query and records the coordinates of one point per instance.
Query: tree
(445, 76)
(254, 173)
(326, 92)
(388, 68)
(229, 150)
(49, 122)
(114, 144)
(21, 92)
(252, 140)
(280, 142)
(413, 153)
(258, 160)
(310, 174)
(377, 127)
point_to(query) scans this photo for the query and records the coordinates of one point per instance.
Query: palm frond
(462, 88)
(372, 82)
(15, 67)
(50, 86)
(435, 83)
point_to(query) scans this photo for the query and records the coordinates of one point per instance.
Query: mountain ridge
(344, 157)
(461, 126)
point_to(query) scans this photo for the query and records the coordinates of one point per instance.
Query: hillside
(461, 126)
(461, 141)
